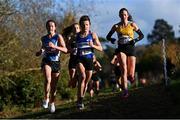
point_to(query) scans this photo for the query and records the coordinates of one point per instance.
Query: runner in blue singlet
(52, 44)
(86, 42)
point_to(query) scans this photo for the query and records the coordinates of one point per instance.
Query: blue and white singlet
(50, 53)
(83, 47)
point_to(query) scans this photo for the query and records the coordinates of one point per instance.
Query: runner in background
(94, 82)
(117, 71)
(69, 33)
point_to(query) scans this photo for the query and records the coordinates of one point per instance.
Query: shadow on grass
(150, 102)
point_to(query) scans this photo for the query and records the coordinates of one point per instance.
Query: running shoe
(80, 106)
(52, 108)
(131, 79)
(45, 103)
(125, 94)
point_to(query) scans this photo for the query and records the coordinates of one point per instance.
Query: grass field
(156, 101)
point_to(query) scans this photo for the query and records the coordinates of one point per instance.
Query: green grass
(154, 101)
(174, 91)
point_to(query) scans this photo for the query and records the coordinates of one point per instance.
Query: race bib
(85, 52)
(124, 40)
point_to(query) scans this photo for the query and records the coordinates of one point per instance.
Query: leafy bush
(21, 89)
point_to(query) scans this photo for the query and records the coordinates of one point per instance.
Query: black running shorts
(129, 50)
(72, 62)
(55, 65)
(87, 62)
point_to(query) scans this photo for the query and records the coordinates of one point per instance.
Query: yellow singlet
(126, 31)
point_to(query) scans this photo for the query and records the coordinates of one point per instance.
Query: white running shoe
(80, 106)
(45, 103)
(117, 86)
(52, 108)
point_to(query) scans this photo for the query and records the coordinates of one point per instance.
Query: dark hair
(130, 17)
(68, 30)
(75, 24)
(84, 18)
(47, 23)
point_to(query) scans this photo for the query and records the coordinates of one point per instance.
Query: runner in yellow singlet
(126, 46)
